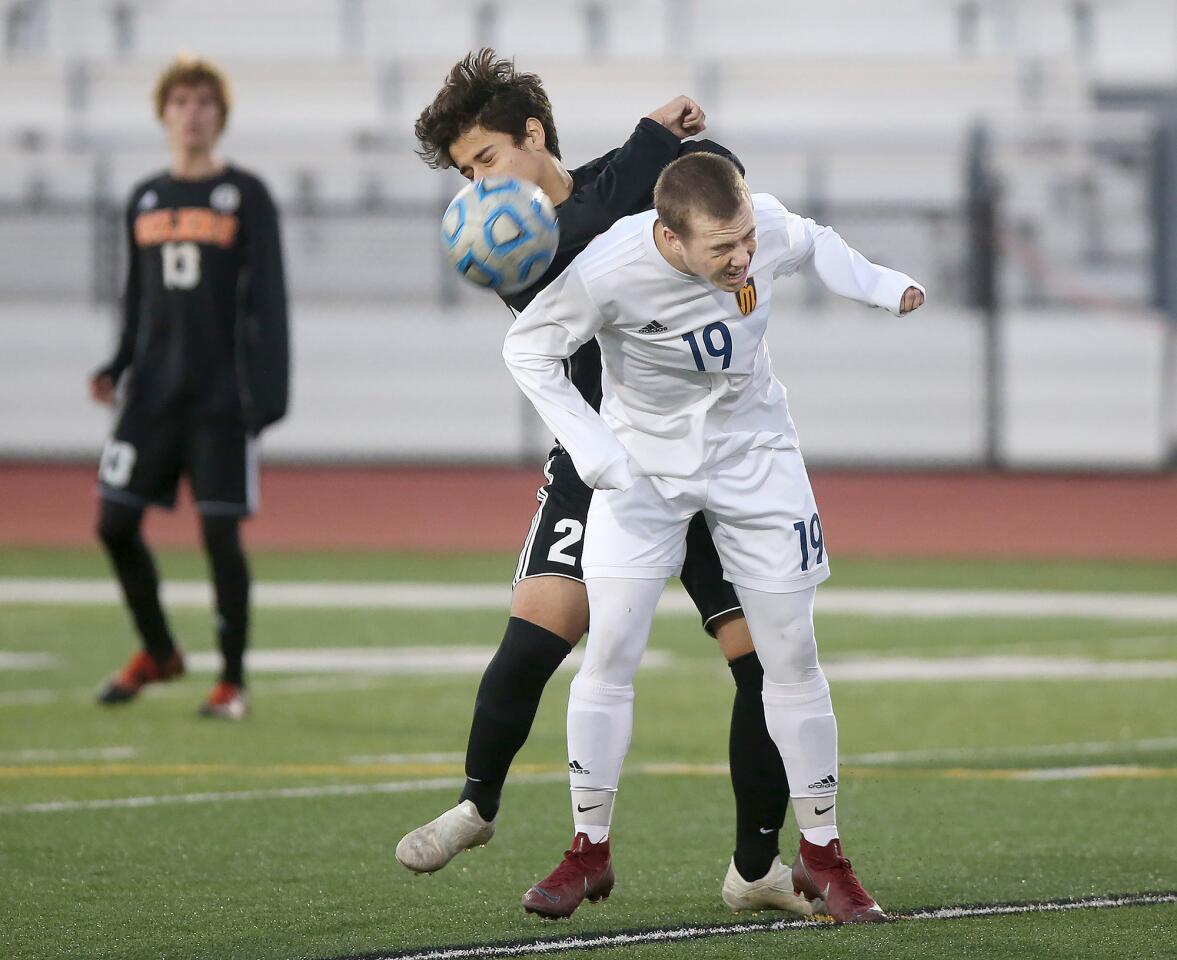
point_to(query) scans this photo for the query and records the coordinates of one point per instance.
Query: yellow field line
(108, 770)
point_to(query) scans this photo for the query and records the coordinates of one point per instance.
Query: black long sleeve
(617, 184)
(263, 335)
(132, 306)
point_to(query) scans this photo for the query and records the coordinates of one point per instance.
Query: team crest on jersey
(148, 200)
(746, 297)
(225, 197)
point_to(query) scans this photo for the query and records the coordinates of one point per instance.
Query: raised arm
(845, 271)
(622, 182)
(550, 330)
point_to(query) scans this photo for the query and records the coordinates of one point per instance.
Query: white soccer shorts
(760, 508)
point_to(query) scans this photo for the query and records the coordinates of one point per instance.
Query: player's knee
(612, 656)
(118, 526)
(222, 539)
(590, 689)
(792, 656)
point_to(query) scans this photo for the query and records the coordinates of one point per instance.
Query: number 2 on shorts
(810, 536)
(574, 530)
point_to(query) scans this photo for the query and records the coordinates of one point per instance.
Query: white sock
(797, 707)
(600, 700)
(820, 836)
(800, 720)
(592, 812)
(600, 722)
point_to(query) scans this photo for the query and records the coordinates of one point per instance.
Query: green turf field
(958, 790)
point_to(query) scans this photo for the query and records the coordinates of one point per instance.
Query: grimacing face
(719, 251)
(479, 153)
(192, 116)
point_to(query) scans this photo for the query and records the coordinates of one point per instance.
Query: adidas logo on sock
(653, 327)
(825, 783)
(575, 767)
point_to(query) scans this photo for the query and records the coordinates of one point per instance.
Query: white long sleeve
(841, 268)
(552, 328)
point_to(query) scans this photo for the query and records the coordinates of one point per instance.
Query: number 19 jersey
(687, 378)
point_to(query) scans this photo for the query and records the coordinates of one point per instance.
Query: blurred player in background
(490, 120)
(693, 419)
(203, 359)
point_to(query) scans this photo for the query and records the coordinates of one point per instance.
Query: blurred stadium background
(1012, 680)
(1019, 158)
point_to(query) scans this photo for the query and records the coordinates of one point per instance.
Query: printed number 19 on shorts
(810, 536)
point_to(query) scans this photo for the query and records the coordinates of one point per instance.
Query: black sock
(508, 697)
(758, 774)
(119, 530)
(230, 574)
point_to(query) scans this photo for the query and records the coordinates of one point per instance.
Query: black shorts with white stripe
(143, 460)
(556, 538)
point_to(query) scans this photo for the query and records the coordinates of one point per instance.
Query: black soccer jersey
(619, 184)
(204, 311)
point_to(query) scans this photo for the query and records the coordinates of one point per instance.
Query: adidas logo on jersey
(825, 783)
(653, 327)
(575, 767)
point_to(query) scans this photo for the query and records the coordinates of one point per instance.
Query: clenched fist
(912, 300)
(682, 117)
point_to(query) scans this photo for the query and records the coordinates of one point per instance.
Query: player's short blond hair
(190, 71)
(703, 183)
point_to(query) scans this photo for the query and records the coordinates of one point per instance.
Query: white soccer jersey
(687, 380)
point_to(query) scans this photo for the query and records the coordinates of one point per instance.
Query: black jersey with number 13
(204, 312)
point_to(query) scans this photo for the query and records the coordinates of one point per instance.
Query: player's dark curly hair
(486, 91)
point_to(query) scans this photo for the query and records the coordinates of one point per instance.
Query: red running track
(865, 513)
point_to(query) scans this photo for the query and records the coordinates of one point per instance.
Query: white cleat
(429, 848)
(773, 891)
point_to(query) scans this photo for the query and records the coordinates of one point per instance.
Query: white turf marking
(385, 660)
(278, 793)
(368, 668)
(448, 783)
(409, 758)
(880, 669)
(17, 660)
(54, 756)
(680, 934)
(482, 596)
(25, 698)
(1089, 748)
(1080, 773)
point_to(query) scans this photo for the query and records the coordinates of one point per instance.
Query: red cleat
(140, 670)
(227, 701)
(824, 872)
(585, 872)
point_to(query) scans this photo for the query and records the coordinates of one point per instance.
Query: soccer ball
(500, 233)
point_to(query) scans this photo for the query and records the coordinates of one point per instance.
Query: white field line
(367, 668)
(57, 756)
(18, 660)
(686, 933)
(274, 793)
(403, 661)
(450, 783)
(408, 758)
(292, 685)
(482, 596)
(883, 669)
(1108, 771)
(1083, 748)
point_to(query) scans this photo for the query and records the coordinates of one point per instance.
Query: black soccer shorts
(556, 538)
(149, 451)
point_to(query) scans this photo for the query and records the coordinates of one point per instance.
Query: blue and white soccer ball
(500, 233)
